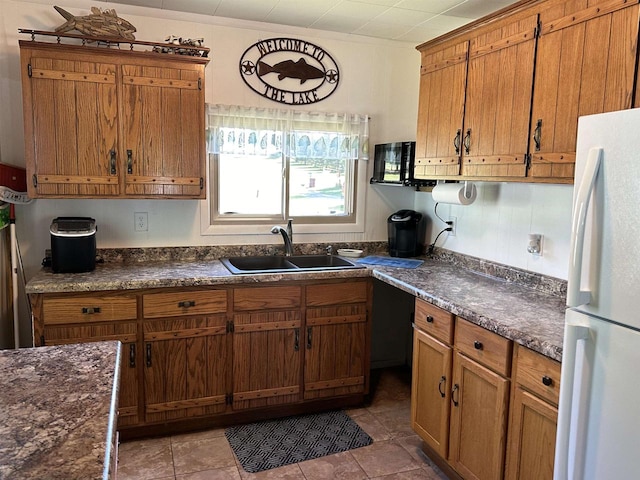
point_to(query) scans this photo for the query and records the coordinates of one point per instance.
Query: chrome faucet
(288, 246)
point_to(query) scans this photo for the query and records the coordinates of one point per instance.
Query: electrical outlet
(454, 224)
(141, 221)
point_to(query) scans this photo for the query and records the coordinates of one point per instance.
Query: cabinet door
(126, 332)
(430, 391)
(478, 420)
(267, 358)
(336, 358)
(70, 115)
(585, 65)
(443, 76)
(185, 373)
(532, 438)
(498, 104)
(164, 131)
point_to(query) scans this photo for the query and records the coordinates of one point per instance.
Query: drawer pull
(148, 354)
(187, 304)
(443, 379)
(455, 389)
(90, 310)
(429, 319)
(547, 381)
(132, 355)
(478, 345)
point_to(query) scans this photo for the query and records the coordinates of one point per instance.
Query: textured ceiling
(413, 21)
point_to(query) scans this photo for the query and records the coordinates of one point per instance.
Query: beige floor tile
(340, 466)
(413, 445)
(198, 455)
(203, 435)
(288, 472)
(356, 412)
(434, 472)
(145, 459)
(384, 458)
(370, 424)
(397, 421)
(418, 474)
(229, 473)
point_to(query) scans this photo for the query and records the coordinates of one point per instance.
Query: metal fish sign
(100, 23)
(290, 69)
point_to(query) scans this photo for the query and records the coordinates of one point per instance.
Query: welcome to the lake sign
(289, 71)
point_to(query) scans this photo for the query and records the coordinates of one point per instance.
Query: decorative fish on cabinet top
(100, 23)
(290, 69)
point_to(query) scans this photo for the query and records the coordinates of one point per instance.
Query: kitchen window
(268, 165)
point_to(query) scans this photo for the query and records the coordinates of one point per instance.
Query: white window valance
(242, 130)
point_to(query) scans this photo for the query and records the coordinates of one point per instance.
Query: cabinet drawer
(485, 347)
(435, 321)
(537, 373)
(336, 293)
(179, 304)
(246, 299)
(77, 309)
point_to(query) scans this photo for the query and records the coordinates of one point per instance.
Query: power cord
(447, 229)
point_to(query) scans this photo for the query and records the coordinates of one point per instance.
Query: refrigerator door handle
(576, 296)
(572, 335)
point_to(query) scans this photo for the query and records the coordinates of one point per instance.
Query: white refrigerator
(598, 434)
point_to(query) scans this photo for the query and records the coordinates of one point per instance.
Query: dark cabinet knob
(429, 319)
(477, 345)
(547, 381)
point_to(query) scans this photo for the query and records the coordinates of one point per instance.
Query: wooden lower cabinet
(533, 417)
(195, 356)
(185, 362)
(478, 420)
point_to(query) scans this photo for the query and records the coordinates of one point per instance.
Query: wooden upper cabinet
(164, 124)
(109, 123)
(586, 63)
(70, 116)
(499, 88)
(443, 76)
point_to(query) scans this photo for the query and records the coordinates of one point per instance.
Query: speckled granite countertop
(57, 410)
(531, 315)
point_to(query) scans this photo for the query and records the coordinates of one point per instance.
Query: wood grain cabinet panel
(106, 123)
(585, 65)
(443, 76)
(88, 308)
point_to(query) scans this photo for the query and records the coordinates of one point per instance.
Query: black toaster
(73, 244)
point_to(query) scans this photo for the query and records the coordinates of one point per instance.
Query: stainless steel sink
(275, 263)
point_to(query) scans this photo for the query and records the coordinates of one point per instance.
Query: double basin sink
(294, 263)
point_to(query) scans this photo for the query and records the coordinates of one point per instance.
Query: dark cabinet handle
(467, 141)
(187, 304)
(537, 133)
(308, 337)
(478, 345)
(148, 354)
(547, 381)
(296, 347)
(129, 162)
(455, 389)
(132, 355)
(90, 310)
(443, 380)
(112, 171)
(456, 141)
(429, 319)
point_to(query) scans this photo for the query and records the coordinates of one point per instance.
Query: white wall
(378, 78)
(496, 226)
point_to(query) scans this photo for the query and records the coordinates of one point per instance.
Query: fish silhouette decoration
(300, 70)
(100, 23)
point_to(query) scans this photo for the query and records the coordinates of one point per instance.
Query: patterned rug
(273, 443)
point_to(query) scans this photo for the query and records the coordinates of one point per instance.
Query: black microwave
(393, 163)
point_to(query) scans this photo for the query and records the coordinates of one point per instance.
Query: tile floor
(394, 454)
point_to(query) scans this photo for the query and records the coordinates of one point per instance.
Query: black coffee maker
(405, 233)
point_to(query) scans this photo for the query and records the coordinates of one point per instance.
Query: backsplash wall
(496, 226)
